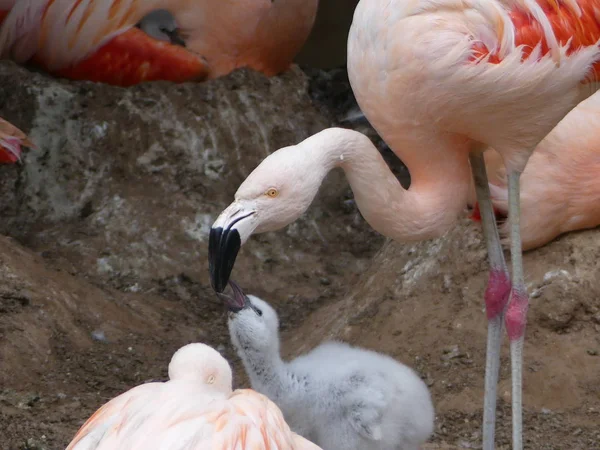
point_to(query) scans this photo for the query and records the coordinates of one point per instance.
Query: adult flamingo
(195, 410)
(124, 42)
(440, 80)
(11, 141)
(560, 187)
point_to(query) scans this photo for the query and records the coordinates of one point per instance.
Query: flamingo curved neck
(438, 191)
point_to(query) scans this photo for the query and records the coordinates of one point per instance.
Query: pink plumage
(98, 40)
(560, 187)
(195, 410)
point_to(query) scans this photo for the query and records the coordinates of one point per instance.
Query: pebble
(98, 335)
(451, 352)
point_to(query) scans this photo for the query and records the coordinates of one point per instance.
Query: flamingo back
(194, 410)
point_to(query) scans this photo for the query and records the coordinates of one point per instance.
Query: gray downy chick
(161, 24)
(337, 396)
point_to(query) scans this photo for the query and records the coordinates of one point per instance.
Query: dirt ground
(104, 270)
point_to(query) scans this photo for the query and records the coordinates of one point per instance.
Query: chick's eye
(272, 192)
(258, 311)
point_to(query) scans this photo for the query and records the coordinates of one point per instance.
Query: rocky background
(104, 273)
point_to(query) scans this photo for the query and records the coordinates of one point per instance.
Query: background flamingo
(11, 140)
(440, 81)
(98, 40)
(195, 410)
(560, 187)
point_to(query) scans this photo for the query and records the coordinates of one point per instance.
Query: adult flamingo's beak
(229, 232)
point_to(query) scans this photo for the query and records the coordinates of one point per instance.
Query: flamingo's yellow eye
(272, 192)
(211, 379)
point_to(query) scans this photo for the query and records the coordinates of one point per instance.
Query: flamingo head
(274, 195)
(203, 364)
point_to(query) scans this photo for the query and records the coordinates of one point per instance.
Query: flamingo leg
(496, 296)
(518, 304)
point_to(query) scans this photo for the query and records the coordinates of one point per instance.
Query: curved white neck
(440, 176)
(267, 372)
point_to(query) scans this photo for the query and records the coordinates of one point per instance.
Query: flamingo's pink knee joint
(516, 314)
(496, 293)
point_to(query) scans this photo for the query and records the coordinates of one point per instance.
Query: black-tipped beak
(238, 301)
(223, 247)
(231, 229)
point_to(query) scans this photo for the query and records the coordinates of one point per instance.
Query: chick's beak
(229, 232)
(237, 301)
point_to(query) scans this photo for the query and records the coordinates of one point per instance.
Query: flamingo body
(11, 141)
(195, 410)
(90, 39)
(560, 185)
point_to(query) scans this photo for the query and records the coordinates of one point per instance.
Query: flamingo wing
(256, 422)
(480, 64)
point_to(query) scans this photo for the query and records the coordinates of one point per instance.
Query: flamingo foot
(134, 57)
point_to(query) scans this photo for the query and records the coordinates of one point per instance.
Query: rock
(108, 224)
(142, 173)
(451, 353)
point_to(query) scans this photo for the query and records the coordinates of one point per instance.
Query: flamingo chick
(195, 410)
(11, 141)
(338, 396)
(440, 81)
(560, 187)
(125, 42)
